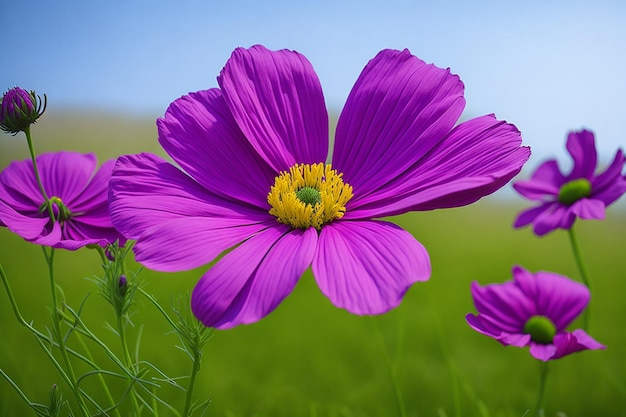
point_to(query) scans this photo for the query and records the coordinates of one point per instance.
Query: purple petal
(542, 352)
(581, 145)
(610, 185)
(398, 110)
(576, 341)
(28, 228)
(588, 208)
(49, 237)
(200, 134)
(481, 326)
(558, 216)
(277, 101)
(19, 188)
(249, 282)
(528, 216)
(66, 174)
(367, 266)
(514, 339)
(475, 159)
(189, 242)
(611, 174)
(610, 194)
(77, 234)
(549, 173)
(504, 305)
(545, 182)
(146, 191)
(95, 194)
(555, 296)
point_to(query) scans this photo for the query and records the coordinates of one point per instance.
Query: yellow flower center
(309, 195)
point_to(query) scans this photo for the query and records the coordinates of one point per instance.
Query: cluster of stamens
(309, 195)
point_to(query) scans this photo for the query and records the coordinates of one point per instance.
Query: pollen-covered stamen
(541, 329)
(574, 190)
(309, 195)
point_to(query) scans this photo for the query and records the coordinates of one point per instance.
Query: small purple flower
(255, 178)
(533, 310)
(19, 109)
(581, 193)
(78, 201)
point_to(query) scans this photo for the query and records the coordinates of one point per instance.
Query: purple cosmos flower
(581, 193)
(533, 310)
(78, 201)
(254, 177)
(19, 109)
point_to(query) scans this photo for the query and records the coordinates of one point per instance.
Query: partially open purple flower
(19, 109)
(255, 178)
(533, 310)
(78, 201)
(581, 193)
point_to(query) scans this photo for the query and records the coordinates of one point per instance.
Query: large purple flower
(533, 310)
(254, 178)
(581, 193)
(78, 200)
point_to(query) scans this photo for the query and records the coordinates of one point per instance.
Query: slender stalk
(31, 149)
(38, 408)
(194, 371)
(128, 359)
(543, 376)
(392, 372)
(43, 337)
(105, 387)
(582, 271)
(56, 322)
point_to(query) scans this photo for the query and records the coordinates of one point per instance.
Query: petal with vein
(251, 281)
(277, 101)
(200, 134)
(366, 267)
(398, 110)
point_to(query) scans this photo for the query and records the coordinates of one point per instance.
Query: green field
(311, 359)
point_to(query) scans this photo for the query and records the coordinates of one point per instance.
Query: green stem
(105, 387)
(36, 407)
(128, 359)
(582, 270)
(392, 372)
(543, 376)
(43, 337)
(194, 371)
(31, 150)
(56, 322)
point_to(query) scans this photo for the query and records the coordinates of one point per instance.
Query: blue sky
(548, 67)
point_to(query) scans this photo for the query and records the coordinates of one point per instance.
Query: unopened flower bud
(56, 400)
(123, 285)
(19, 109)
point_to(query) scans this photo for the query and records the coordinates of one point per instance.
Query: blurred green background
(309, 358)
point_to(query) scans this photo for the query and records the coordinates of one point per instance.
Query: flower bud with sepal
(19, 109)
